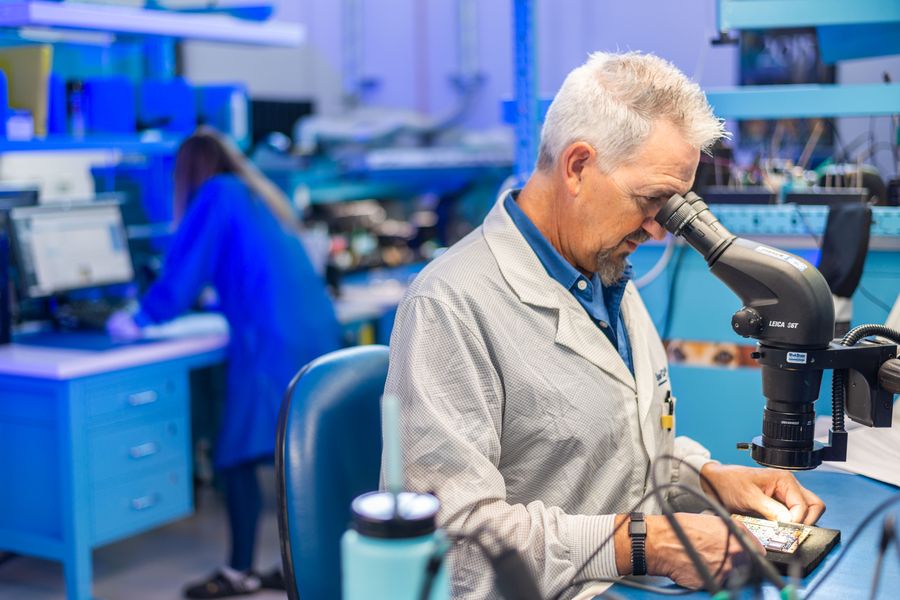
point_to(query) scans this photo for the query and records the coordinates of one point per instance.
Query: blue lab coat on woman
(279, 314)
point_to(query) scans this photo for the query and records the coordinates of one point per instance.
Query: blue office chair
(328, 451)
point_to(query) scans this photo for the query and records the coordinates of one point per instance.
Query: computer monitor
(14, 196)
(720, 194)
(65, 248)
(828, 196)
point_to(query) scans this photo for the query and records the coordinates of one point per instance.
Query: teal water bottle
(394, 550)
(393, 553)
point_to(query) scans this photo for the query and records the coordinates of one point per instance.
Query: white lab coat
(519, 413)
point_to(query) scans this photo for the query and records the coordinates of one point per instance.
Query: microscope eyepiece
(689, 217)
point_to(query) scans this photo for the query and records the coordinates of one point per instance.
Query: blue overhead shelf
(138, 21)
(805, 101)
(773, 14)
(784, 101)
(133, 144)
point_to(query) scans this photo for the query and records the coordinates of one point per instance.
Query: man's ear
(573, 162)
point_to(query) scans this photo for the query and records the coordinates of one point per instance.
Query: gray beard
(611, 266)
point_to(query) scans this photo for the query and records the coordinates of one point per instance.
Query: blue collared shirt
(601, 302)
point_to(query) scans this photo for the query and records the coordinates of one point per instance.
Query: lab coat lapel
(644, 375)
(577, 332)
(528, 279)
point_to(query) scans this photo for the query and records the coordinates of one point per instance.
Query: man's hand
(771, 493)
(667, 557)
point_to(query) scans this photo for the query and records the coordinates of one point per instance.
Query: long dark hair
(207, 153)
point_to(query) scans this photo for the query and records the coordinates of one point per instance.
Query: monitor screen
(827, 196)
(751, 194)
(14, 196)
(66, 248)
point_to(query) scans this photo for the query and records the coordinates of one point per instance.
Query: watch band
(637, 531)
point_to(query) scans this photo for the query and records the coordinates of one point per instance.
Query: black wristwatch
(637, 531)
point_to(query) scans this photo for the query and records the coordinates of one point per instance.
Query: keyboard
(89, 315)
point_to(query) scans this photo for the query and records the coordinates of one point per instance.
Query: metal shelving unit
(139, 21)
(133, 144)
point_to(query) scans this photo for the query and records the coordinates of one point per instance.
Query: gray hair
(612, 101)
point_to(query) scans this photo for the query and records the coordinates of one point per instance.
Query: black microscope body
(789, 309)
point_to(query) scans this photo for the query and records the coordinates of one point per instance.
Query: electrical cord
(431, 570)
(874, 299)
(888, 536)
(660, 266)
(839, 376)
(767, 569)
(862, 289)
(511, 574)
(514, 580)
(895, 499)
(673, 280)
(709, 582)
(630, 583)
(437, 559)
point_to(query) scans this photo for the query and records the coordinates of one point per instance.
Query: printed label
(798, 358)
(793, 261)
(662, 376)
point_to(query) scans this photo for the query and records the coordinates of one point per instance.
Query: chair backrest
(328, 452)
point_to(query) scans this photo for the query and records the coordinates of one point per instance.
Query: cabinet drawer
(120, 452)
(119, 510)
(134, 393)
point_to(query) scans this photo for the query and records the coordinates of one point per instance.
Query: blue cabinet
(97, 454)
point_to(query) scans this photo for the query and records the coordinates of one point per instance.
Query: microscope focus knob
(889, 376)
(747, 322)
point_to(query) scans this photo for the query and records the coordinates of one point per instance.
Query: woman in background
(238, 233)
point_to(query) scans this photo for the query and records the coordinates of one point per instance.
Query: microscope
(788, 309)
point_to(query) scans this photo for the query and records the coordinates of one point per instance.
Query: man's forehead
(667, 180)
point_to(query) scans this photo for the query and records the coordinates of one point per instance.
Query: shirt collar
(556, 266)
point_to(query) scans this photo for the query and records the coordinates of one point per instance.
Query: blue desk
(848, 498)
(94, 443)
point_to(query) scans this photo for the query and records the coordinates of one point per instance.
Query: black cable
(673, 280)
(509, 567)
(874, 299)
(764, 566)
(767, 569)
(887, 537)
(709, 582)
(653, 589)
(853, 537)
(839, 378)
(431, 571)
(434, 563)
(511, 574)
(807, 226)
(599, 548)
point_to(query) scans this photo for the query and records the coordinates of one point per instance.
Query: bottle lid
(374, 514)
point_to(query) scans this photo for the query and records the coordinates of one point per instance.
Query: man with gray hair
(532, 383)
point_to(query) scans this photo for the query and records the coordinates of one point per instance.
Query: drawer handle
(142, 398)
(143, 450)
(144, 502)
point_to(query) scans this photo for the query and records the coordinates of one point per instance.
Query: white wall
(410, 47)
